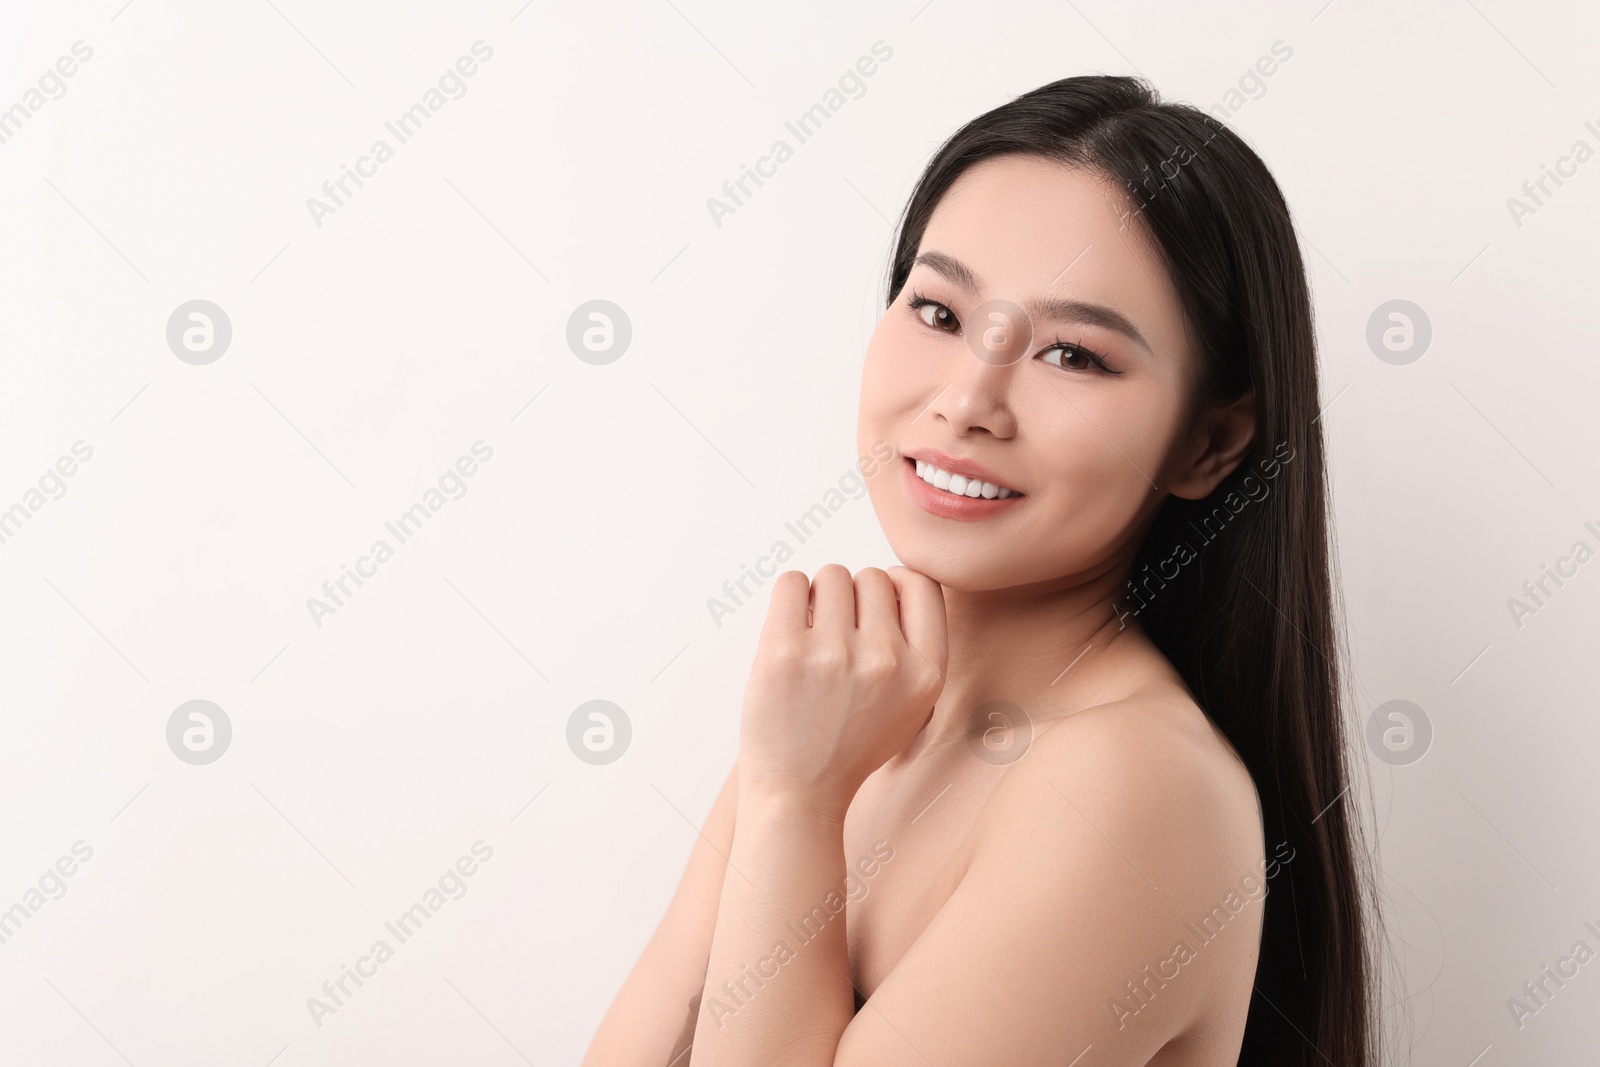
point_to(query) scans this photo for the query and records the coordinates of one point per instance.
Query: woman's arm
(643, 1026)
(778, 987)
(846, 673)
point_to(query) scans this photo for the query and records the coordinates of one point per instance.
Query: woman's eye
(1072, 357)
(937, 315)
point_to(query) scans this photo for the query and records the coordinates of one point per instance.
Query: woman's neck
(1047, 650)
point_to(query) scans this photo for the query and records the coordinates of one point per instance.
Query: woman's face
(969, 375)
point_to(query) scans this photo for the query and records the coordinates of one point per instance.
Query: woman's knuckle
(783, 655)
(826, 657)
(877, 664)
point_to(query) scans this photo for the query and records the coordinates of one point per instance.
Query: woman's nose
(975, 391)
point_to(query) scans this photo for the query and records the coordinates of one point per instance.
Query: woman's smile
(955, 498)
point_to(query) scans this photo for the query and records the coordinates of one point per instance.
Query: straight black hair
(1250, 623)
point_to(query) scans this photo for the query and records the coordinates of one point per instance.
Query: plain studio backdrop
(183, 485)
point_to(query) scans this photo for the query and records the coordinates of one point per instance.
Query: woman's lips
(950, 506)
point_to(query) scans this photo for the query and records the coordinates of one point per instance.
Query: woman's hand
(846, 674)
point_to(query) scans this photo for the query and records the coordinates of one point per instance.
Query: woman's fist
(846, 674)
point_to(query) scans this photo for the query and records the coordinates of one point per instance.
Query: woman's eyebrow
(1055, 309)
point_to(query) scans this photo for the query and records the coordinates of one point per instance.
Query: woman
(1069, 786)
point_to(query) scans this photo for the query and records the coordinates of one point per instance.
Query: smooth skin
(1029, 894)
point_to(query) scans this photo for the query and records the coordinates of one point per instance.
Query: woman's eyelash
(918, 301)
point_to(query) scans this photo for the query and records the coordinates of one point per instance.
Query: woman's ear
(1215, 447)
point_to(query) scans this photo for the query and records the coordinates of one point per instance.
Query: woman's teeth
(959, 485)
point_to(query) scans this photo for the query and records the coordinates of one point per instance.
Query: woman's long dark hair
(1250, 623)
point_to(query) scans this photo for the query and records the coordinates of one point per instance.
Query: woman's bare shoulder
(1102, 872)
(1157, 766)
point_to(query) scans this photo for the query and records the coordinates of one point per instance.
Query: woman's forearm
(779, 989)
(847, 672)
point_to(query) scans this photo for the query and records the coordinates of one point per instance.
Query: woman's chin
(963, 575)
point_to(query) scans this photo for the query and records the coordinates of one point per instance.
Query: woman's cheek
(882, 386)
(1101, 498)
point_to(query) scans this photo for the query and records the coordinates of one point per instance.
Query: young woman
(1070, 786)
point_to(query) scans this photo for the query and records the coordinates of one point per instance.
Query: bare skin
(1041, 868)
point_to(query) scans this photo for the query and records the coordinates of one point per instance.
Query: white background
(369, 353)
